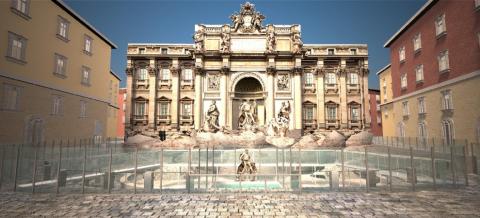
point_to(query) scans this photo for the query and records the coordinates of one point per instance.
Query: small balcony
(186, 119)
(163, 119)
(140, 119)
(354, 123)
(309, 87)
(353, 88)
(331, 88)
(309, 124)
(142, 83)
(187, 83)
(164, 84)
(332, 123)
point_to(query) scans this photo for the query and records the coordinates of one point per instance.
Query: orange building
(121, 100)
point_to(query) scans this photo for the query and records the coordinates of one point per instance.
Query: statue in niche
(225, 45)
(199, 38)
(248, 114)
(271, 43)
(297, 43)
(211, 119)
(283, 83)
(213, 82)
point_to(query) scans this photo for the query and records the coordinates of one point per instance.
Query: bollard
(135, 172)
(149, 179)
(17, 159)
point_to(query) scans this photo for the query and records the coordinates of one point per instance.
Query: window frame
(443, 31)
(57, 105)
(422, 107)
(83, 108)
(308, 79)
(23, 14)
(23, 49)
(350, 76)
(403, 81)
(63, 20)
(418, 37)
(162, 74)
(401, 54)
(7, 104)
(62, 74)
(88, 81)
(333, 78)
(405, 108)
(447, 124)
(86, 39)
(184, 73)
(419, 69)
(447, 104)
(443, 56)
(184, 104)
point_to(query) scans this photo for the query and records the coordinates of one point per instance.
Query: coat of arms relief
(248, 20)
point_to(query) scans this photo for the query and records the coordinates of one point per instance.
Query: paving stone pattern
(464, 202)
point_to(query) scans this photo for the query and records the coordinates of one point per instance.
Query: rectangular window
(447, 100)
(85, 75)
(308, 79)
(60, 65)
(163, 108)
(331, 78)
(21, 6)
(401, 54)
(308, 113)
(83, 109)
(331, 51)
(403, 81)
(353, 51)
(11, 95)
(421, 105)
(165, 74)
(355, 113)
(440, 26)
(88, 44)
(331, 113)
(16, 47)
(142, 74)
(140, 108)
(417, 42)
(419, 73)
(187, 109)
(443, 65)
(164, 51)
(141, 50)
(187, 75)
(57, 105)
(353, 78)
(63, 25)
(405, 108)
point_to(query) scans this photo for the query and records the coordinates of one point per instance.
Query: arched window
(422, 133)
(448, 132)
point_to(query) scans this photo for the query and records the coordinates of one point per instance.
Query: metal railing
(87, 166)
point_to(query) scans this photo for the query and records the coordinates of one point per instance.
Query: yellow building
(113, 87)
(52, 78)
(386, 106)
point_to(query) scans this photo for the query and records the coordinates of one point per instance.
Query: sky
(370, 22)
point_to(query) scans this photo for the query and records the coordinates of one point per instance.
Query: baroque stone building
(171, 86)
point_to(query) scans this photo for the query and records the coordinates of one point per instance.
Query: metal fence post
(342, 157)
(206, 171)
(1, 166)
(366, 170)
(434, 173)
(283, 166)
(390, 178)
(84, 162)
(161, 170)
(452, 165)
(276, 165)
(34, 176)
(213, 164)
(17, 160)
(412, 173)
(135, 171)
(465, 154)
(59, 166)
(110, 169)
(189, 168)
(300, 168)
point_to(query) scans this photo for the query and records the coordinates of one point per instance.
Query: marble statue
(271, 43)
(199, 38)
(247, 116)
(225, 45)
(246, 165)
(248, 20)
(280, 125)
(297, 43)
(211, 119)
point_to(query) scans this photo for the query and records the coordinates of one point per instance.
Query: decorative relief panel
(283, 82)
(213, 82)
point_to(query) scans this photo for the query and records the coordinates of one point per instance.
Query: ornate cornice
(152, 70)
(129, 71)
(271, 70)
(174, 70)
(225, 70)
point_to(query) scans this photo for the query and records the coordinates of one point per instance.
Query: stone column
(298, 98)
(198, 102)
(129, 106)
(270, 100)
(343, 95)
(367, 117)
(175, 73)
(320, 95)
(152, 81)
(224, 90)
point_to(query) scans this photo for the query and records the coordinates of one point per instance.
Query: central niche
(250, 90)
(248, 87)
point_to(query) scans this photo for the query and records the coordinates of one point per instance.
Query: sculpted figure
(257, 23)
(297, 43)
(246, 165)
(199, 39)
(237, 21)
(271, 41)
(211, 119)
(247, 114)
(225, 45)
(283, 82)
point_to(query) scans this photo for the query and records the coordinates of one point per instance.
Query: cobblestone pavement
(442, 203)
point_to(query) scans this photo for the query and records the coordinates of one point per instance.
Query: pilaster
(198, 97)
(270, 89)
(128, 109)
(297, 72)
(175, 73)
(152, 81)
(320, 94)
(224, 90)
(343, 95)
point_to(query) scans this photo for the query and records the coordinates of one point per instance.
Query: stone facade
(171, 86)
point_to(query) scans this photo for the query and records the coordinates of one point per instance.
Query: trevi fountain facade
(246, 77)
